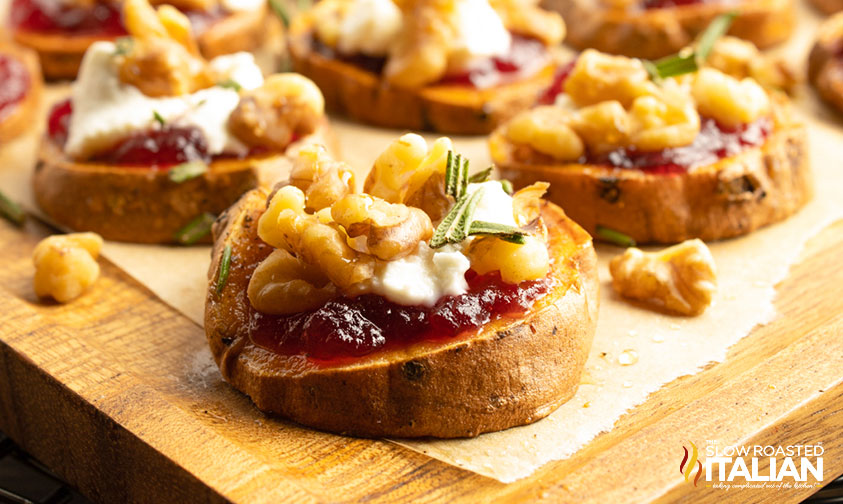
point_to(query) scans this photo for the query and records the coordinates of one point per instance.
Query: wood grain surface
(117, 394)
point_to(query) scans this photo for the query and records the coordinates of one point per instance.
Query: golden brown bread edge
(654, 33)
(828, 6)
(364, 96)
(62, 54)
(23, 116)
(731, 197)
(825, 68)
(512, 373)
(142, 205)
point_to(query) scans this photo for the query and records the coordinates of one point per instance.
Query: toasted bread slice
(61, 54)
(23, 115)
(828, 6)
(731, 197)
(512, 372)
(825, 68)
(365, 97)
(143, 205)
(654, 33)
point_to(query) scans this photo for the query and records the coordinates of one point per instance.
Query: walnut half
(680, 279)
(66, 265)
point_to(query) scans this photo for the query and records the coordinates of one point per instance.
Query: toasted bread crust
(732, 197)
(825, 68)
(511, 373)
(364, 97)
(22, 117)
(61, 54)
(828, 6)
(654, 33)
(143, 205)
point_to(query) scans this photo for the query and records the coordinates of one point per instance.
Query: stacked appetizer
(62, 30)
(656, 28)
(661, 152)
(825, 65)
(20, 92)
(457, 66)
(155, 140)
(430, 304)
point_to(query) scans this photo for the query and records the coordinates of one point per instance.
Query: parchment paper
(667, 347)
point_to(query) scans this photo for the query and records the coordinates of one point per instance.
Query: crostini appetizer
(20, 92)
(455, 66)
(62, 30)
(656, 28)
(828, 6)
(825, 65)
(155, 141)
(644, 152)
(430, 304)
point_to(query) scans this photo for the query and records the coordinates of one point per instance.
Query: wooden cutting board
(115, 394)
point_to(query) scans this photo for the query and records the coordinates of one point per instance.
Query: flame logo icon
(686, 467)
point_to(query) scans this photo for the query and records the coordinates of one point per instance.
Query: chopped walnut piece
(680, 278)
(283, 284)
(66, 265)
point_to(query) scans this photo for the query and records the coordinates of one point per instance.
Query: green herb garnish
(507, 187)
(454, 227)
(615, 237)
(11, 211)
(225, 266)
(123, 45)
(230, 84)
(502, 231)
(158, 117)
(689, 60)
(196, 229)
(186, 171)
(280, 11)
(481, 176)
(456, 175)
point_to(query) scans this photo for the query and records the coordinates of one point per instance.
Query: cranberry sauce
(714, 142)
(525, 57)
(15, 81)
(665, 4)
(557, 86)
(102, 19)
(343, 328)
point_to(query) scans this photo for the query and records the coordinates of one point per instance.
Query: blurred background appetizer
(432, 303)
(457, 66)
(155, 140)
(825, 66)
(20, 90)
(62, 30)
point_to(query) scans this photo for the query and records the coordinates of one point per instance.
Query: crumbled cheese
(480, 30)
(241, 5)
(427, 275)
(369, 27)
(106, 111)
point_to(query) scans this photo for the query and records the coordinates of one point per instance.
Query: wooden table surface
(114, 393)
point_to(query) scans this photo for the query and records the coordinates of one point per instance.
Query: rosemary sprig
(281, 11)
(454, 227)
(456, 175)
(507, 233)
(187, 171)
(481, 176)
(507, 187)
(196, 229)
(123, 46)
(158, 118)
(11, 211)
(689, 60)
(225, 267)
(615, 237)
(230, 84)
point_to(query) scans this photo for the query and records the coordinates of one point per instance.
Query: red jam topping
(345, 328)
(525, 57)
(666, 4)
(557, 86)
(102, 19)
(15, 84)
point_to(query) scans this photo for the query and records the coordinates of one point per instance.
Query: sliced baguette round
(142, 205)
(654, 33)
(731, 197)
(61, 54)
(23, 115)
(365, 97)
(512, 372)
